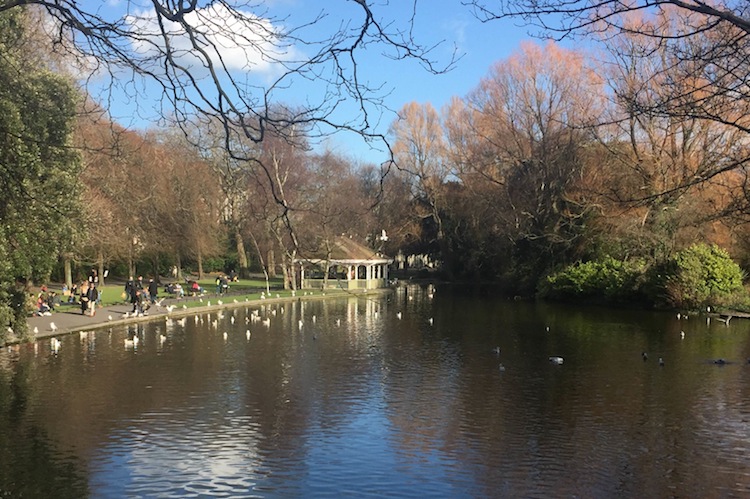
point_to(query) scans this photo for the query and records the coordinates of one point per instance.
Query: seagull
(496, 350)
(247, 334)
(431, 321)
(338, 322)
(398, 315)
(36, 330)
(682, 335)
(53, 326)
(314, 319)
(661, 362)
(644, 355)
(109, 317)
(556, 360)
(225, 335)
(502, 368)
(162, 338)
(55, 344)
(170, 308)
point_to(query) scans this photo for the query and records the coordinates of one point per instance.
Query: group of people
(140, 296)
(45, 302)
(89, 295)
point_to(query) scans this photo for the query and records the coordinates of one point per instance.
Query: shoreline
(71, 321)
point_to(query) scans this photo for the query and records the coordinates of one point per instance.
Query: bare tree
(704, 45)
(234, 62)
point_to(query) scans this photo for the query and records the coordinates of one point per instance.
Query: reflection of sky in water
(360, 403)
(163, 455)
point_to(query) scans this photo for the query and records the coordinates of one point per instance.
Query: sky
(446, 22)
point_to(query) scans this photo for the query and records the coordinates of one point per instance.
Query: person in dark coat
(93, 296)
(153, 290)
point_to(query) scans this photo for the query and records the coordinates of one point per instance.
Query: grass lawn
(113, 294)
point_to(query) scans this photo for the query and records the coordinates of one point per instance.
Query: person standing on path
(93, 296)
(84, 290)
(153, 290)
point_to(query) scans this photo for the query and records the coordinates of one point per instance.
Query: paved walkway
(69, 319)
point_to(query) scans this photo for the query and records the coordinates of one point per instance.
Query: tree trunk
(241, 254)
(100, 267)
(262, 263)
(178, 264)
(68, 271)
(271, 263)
(200, 264)
(155, 267)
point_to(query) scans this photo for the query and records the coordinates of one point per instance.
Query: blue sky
(479, 45)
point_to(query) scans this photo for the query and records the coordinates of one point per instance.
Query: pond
(422, 392)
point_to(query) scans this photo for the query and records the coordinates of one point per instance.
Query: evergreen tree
(39, 170)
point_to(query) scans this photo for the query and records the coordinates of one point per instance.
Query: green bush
(602, 281)
(697, 276)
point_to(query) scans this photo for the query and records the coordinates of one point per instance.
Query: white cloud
(241, 40)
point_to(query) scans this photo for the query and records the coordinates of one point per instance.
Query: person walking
(93, 296)
(153, 290)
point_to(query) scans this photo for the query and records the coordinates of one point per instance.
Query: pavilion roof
(345, 249)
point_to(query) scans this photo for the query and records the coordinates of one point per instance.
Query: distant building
(343, 263)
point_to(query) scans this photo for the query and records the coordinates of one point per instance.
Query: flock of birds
(255, 317)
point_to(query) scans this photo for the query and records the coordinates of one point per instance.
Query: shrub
(697, 276)
(605, 280)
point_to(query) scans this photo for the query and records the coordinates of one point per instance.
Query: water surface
(402, 395)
